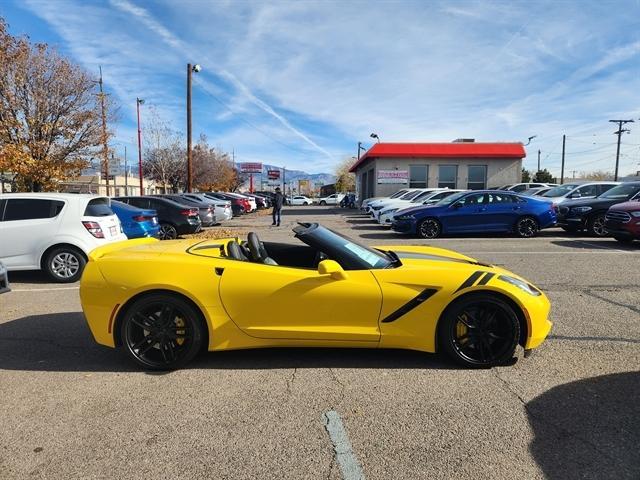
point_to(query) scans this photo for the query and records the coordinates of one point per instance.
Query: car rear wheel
(596, 226)
(161, 332)
(65, 264)
(305, 203)
(429, 228)
(526, 227)
(167, 232)
(479, 331)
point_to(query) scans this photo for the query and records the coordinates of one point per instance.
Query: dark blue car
(136, 222)
(477, 212)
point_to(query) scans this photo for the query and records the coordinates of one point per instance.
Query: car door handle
(517, 208)
(219, 271)
(482, 209)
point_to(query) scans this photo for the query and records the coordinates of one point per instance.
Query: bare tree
(164, 157)
(345, 181)
(213, 169)
(49, 114)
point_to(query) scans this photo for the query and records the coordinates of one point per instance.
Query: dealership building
(463, 164)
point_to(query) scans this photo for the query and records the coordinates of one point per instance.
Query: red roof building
(463, 164)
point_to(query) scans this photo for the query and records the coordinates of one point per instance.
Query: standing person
(278, 201)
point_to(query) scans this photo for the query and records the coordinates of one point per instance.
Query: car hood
(633, 205)
(592, 202)
(422, 208)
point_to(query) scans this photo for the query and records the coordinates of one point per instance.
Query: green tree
(543, 176)
(526, 175)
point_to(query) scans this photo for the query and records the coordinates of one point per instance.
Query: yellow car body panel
(251, 305)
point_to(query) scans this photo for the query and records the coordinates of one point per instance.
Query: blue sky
(300, 83)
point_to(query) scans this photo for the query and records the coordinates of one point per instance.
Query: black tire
(64, 264)
(323, 203)
(429, 228)
(167, 231)
(305, 203)
(595, 225)
(479, 331)
(625, 240)
(526, 227)
(161, 332)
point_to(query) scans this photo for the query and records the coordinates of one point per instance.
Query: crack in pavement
(591, 293)
(342, 388)
(291, 380)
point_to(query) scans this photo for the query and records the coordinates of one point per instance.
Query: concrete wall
(499, 171)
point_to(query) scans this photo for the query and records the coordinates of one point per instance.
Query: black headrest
(234, 251)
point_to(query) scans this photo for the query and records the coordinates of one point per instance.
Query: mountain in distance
(295, 175)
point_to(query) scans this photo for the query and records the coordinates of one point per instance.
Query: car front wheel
(429, 228)
(323, 203)
(161, 332)
(65, 264)
(526, 227)
(596, 226)
(479, 331)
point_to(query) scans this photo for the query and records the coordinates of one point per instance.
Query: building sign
(253, 167)
(273, 174)
(393, 176)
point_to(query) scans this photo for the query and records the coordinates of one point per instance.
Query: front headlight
(522, 285)
(389, 210)
(636, 213)
(581, 209)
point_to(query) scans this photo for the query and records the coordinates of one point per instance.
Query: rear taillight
(94, 229)
(142, 218)
(189, 212)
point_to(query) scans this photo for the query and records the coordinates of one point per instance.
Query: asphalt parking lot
(70, 408)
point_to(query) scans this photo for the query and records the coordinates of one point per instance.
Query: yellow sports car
(163, 302)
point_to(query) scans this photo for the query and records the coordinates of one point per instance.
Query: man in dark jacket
(278, 201)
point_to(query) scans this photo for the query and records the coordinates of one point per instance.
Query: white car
(385, 216)
(301, 200)
(572, 191)
(54, 232)
(334, 199)
(222, 208)
(521, 187)
(378, 206)
(368, 201)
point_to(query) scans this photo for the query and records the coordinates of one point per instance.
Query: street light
(375, 135)
(190, 68)
(139, 101)
(529, 140)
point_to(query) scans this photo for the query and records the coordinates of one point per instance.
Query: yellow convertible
(163, 302)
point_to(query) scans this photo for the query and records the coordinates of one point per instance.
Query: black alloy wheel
(480, 331)
(429, 228)
(526, 227)
(167, 232)
(161, 332)
(596, 225)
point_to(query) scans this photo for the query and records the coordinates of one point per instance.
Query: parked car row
(600, 208)
(55, 232)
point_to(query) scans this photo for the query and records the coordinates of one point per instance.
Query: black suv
(175, 218)
(588, 214)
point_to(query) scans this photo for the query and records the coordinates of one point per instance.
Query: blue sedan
(136, 222)
(477, 212)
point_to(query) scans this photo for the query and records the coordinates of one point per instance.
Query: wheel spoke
(142, 321)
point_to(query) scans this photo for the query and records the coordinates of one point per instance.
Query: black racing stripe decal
(486, 278)
(469, 281)
(410, 305)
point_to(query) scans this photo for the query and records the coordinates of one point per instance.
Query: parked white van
(54, 232)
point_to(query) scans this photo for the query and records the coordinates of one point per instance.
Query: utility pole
(126, 174)
(105, 148)
(564, 139)
(538, 159)
(139, 101)
(190, 68)
(619, 132)
(113, 162)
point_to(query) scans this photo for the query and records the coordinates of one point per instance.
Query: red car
(622, 221)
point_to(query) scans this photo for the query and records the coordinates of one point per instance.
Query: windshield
(348, 253)
(560, 191)
(399, 193)
(410, 195)
(621, 191)
(421, 197)
(451, 198)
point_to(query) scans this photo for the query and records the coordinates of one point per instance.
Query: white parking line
(43, 289)
(347, 460)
